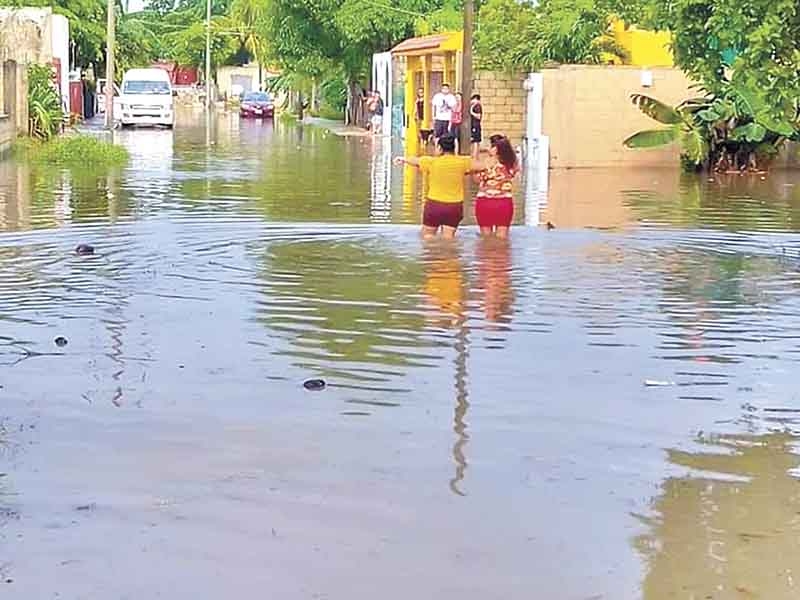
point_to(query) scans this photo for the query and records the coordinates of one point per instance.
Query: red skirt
(494, 211)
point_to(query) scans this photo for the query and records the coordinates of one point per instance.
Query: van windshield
(146, 87)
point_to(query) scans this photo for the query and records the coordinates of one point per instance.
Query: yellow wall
(645, 48)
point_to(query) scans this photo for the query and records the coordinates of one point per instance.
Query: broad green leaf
(709, 115)
(751, 132)
(652, 138)
(655, 109)
(694, 105)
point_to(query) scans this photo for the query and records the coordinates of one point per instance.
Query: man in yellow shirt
(444, 202)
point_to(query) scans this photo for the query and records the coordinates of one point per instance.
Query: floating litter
(657, 383)
(84, 250)
(314, 384)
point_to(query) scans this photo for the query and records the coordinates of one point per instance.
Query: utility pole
(466, 76)
(208, 55)
(110, 42)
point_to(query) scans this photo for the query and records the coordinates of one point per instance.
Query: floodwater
(608, 410)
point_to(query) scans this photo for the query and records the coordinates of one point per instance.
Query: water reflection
(347, 309)
(729, 528)
(381, 180)
(511, 374)
(43, 197)
(493, 258)
(446, 289)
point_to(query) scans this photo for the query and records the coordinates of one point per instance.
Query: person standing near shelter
(456, 118)
(419, 117)
(443, 104)
(475, 123)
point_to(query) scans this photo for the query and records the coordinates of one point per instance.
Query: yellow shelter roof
(450, 41)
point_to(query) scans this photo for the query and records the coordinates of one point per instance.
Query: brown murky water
(579, 414)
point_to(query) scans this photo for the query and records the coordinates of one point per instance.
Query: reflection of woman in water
(494, 273)
(494, 204)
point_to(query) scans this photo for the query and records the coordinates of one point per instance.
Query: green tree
(752, 43)
(516, 36)
(326, 39)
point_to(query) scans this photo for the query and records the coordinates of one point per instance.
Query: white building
(37, 35)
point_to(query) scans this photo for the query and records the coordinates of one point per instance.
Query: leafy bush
(330, 113)
(333, 92)
(44, 103)
(72, 151)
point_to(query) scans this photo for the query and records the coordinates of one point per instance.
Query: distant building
(37, 36)
(235, 80)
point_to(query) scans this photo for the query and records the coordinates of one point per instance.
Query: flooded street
(603, 411)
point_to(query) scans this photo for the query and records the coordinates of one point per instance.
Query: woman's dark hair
(505, 151)
(448, 144)
(476, 97)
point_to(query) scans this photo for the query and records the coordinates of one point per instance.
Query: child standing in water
(494, 204)
(444, 202)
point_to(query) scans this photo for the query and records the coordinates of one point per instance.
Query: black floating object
(550, 226)
(84, 250)
(314, 385)
(61, 341)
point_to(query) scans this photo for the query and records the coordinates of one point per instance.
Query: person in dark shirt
(419, 117)
(476, 118)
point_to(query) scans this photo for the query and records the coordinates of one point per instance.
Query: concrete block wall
(7, 135)
(587, 114)
(15, 95)
(504, 104)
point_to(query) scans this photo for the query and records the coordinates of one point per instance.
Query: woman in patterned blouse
(494, 204)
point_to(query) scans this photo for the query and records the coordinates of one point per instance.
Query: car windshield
(256, 97)
(146, 87)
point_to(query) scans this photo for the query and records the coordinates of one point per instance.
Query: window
(256, 97)
(159, 88)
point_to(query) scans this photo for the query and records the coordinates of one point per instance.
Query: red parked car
(258, 105)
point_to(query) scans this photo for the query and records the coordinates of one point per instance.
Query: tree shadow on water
(729, 528)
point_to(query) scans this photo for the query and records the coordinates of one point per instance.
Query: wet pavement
(603, 411)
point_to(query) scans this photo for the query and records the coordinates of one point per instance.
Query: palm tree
(246, 21)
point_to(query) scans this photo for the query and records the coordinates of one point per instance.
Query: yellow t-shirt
(446, 176)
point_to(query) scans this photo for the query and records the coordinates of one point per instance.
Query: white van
(146, 98)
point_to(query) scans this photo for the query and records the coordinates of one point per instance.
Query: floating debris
(61, 341)
(84, 250)
(314, 384)
(657, 383)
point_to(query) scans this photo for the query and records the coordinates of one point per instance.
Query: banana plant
(682, 125)
(734, 130)
(44, 103)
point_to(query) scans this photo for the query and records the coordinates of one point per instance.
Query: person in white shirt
(443, 104)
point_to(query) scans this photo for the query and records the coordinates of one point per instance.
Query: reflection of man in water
(444, 283)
